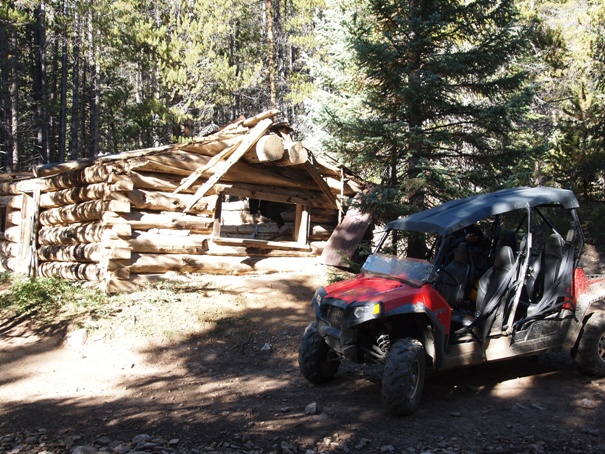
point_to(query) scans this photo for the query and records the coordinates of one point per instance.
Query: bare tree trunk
(12, 159)
(83, 140)
(5, 128)
(93, 64)
(42, 140)
(63, 106)
(271, 45)
(75, 108)
(52, 104)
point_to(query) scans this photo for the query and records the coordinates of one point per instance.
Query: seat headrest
(504, 258)
(461, 254)
(554, 246)
(509, 238)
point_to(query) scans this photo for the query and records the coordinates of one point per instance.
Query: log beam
(141, 220)
(82, 212)
(91, 232)
(11, 201)
(294, 154)
(83, 193)
(72, 271)
(91, 252)
(143, 199)
(168, 244)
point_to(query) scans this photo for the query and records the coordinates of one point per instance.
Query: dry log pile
(11, 236)
(123, 220)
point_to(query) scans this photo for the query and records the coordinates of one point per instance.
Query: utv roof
(457, 214)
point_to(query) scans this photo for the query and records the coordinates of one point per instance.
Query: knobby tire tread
(587, 357)
(397, 377)
(314, 357)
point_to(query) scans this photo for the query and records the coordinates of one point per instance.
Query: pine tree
(577, 156)
(438, 101)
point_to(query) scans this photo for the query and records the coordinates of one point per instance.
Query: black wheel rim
(415, 376)
(601, 347)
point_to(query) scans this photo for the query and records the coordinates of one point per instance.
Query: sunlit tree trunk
(75, 102)
(5, 128)
(93, 64)
(63, 101)
(271, 46)
(41, 95)
(12, 159)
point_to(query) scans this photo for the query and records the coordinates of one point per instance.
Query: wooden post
(301, 224)
(29, 210)
(216, 229)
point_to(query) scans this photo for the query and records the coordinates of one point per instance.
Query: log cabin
(245, 199)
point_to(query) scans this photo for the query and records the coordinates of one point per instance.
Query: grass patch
(45, 297)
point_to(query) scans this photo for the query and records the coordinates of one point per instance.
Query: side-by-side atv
(480, 279)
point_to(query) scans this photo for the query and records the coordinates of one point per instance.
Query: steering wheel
(450, 275)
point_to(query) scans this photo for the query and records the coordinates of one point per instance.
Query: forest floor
(212, 367)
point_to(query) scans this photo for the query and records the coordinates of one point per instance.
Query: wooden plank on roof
(253, 121)
(346, 238)
(242, 149)
(322, 184)
(187, 182)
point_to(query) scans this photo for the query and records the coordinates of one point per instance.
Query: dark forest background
(432, 99)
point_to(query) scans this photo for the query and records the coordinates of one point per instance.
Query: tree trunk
(52, 103)
(75, 101)
(12, 158)
(42, 96)
(271, 50)
(4, 94)
(63, 105)
(93, 64)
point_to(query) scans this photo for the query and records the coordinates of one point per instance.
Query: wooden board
(345, 239)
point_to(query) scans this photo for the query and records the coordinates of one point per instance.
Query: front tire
(590, 356)
(403, 377)
(316, 361)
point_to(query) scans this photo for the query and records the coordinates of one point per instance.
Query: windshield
(415, 272)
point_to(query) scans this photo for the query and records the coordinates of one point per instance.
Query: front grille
(335, 316)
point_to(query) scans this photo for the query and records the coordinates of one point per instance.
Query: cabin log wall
(125, 220)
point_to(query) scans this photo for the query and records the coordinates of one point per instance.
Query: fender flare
(433, 332)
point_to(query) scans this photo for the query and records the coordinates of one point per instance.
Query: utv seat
(553, 257)
(552, 274)
(459, 269)
(509, 238)
(495, 281)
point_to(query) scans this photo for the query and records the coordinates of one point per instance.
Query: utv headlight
(367, 310)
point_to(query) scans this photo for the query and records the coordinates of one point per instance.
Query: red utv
(434, 296)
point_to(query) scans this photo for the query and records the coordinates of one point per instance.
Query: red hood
(365, 289)
(392, 294)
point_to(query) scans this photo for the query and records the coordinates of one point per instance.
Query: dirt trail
(220, 363)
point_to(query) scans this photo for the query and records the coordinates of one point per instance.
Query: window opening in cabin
(257, 219)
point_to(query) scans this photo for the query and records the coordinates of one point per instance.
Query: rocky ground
(213, 369)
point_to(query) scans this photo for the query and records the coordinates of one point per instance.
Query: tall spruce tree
(440, 98)
(576, 158)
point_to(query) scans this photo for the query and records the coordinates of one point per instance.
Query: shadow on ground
(240, 379)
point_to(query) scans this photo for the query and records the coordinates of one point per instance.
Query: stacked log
(74, 241)
(11, 236)
(121, 220)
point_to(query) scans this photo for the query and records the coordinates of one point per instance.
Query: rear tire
(317, 362)
(590, 356)
(403, 377)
